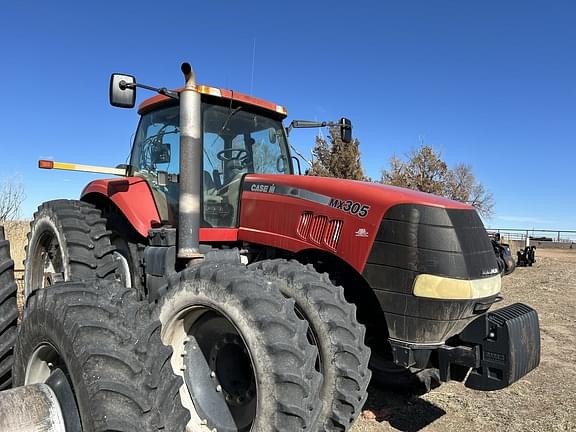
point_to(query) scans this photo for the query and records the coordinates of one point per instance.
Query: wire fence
(555, 236)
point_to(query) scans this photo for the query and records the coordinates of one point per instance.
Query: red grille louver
(304, 224)
(333, 231)
(319, 229)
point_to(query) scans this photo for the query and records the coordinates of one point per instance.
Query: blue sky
(489, 83)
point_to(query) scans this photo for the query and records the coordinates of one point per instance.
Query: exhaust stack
(190, 168)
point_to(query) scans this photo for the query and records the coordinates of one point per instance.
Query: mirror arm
(163, 90)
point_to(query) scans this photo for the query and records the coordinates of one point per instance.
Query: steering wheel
(230, 154)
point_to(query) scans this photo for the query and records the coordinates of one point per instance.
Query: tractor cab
(238, 138)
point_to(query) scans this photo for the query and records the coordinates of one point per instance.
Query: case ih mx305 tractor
(390, 278)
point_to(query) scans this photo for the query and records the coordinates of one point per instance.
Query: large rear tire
(343, 357)
(68, 241)
(86, 343)
(8, 313)
(240, 351)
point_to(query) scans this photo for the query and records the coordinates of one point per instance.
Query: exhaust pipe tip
(188, 73)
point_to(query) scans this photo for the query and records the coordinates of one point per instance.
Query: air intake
(319, 229)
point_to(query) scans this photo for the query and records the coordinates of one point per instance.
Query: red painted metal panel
(132, 196)
(277, 220)
(159, 100)
(208, 235)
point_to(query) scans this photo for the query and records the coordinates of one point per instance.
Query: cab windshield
(236, 142)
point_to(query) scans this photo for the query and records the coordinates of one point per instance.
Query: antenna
(320, 133)
(253, 59)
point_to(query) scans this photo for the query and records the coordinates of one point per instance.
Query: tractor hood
(281, 205)
(375, 198)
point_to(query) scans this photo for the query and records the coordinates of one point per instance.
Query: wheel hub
(230, 363)
(219, 374)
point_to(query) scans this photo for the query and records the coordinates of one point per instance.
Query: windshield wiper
(232, 113)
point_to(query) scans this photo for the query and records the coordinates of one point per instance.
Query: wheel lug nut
(213, 374)
(218, 388)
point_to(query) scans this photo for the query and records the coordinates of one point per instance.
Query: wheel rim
(218, 371)
(46, 366)
(47, 263)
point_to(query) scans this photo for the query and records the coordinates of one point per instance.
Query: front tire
(343, 357)
(68, 241)
(240, 351)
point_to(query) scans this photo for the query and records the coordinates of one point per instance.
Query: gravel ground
(544, 400)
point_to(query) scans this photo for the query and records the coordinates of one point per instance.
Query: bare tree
(461, 185)
(427, 172)
(11, 198)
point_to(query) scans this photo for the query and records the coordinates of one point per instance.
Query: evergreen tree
(337, 158)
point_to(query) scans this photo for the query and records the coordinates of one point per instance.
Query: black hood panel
(415, 239)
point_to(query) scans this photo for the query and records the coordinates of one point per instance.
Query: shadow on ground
(403, 412)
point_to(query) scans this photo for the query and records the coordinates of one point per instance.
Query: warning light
(45, 164)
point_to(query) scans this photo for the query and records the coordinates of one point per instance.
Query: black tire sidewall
(45, 222)
(47, 328)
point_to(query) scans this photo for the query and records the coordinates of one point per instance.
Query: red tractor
(382, 275)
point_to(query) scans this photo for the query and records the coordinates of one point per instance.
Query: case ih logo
(266, 188)
(349, 206)
(362, 232)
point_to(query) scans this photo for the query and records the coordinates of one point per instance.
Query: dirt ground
(545, 400)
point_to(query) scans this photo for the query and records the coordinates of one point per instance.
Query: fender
(132, 196)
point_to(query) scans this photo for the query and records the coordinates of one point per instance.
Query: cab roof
(159, 100)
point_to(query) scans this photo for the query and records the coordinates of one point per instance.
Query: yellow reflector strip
(204, 89)
(439, 287)
(88, 168)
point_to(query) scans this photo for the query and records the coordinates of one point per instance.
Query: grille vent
(304, 224)
(333, 233)
(319, 229)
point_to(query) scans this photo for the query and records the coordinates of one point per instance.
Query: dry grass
(16, 232)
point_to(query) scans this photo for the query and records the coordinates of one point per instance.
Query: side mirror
(122, 91)
(345, 130)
